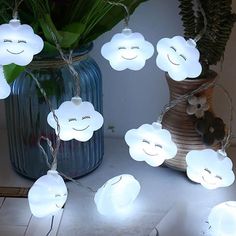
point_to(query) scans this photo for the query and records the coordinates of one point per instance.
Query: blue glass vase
(26, 115)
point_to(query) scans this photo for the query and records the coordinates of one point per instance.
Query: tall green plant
(73, 22)
(220, 21)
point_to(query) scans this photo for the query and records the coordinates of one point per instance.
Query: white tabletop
(163, 190)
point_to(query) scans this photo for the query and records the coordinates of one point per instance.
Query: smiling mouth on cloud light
(209, 182)
(79, 130)
(15, 53)
(172, 61)
(129, 58)
(156, 154)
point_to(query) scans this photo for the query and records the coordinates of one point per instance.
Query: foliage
(73, 22)
(220, 21)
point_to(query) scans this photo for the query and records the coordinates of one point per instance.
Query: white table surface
(162, 189)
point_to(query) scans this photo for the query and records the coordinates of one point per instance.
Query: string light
(78, 120)
(150, 143)
(47, 195)
(117, 194)
(18, 43)
(222, 219)
(178, 57)
(210, 168)
(127, 50)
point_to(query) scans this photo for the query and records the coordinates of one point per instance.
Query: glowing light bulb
(78, 120)
(179, 58)
(47, 195)
(5, 89)
(117, 194)
(222, 219)
(18, 43)
(150, 143)
(210, 168)
(127, 50)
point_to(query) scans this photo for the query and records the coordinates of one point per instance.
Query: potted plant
(75, 24)
(211, 21)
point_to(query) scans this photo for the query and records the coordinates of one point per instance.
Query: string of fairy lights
(150, 142)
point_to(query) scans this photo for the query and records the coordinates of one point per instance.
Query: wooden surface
(161, 189)
(16, 219)
(17, 192)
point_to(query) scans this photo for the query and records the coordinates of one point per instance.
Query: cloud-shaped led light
(179, 58)
(47, 195)
(5, 89)
(222, 219)
(210, 168)
(150, 143)
(18, 43)
(127, 50)
(78, 120)
(117, 194)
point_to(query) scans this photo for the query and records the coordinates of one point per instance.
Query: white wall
(133, 98)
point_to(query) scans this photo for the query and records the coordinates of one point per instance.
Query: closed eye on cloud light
(21, 41)
(7, 41)
(86, 117)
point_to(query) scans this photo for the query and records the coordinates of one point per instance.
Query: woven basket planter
(180, 124)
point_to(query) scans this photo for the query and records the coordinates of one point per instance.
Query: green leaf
(71, 34)
(105, 17)
(68, 39)
(75, 27)
(49, 48)
(47, 25)
(12, 71)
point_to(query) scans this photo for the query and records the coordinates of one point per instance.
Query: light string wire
(51, 226)
(75, 74)
(69, 61)
(77, 183)
(53, 151)
(226, 141)
(127, 16)
(203, 31)
(15, 9)
(182, 98)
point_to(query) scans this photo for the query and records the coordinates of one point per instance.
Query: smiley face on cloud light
(127, 50)
(150, 143)
(78, 120)
(47, 195)
(210, 168)
(179, 58)
(18, 43)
